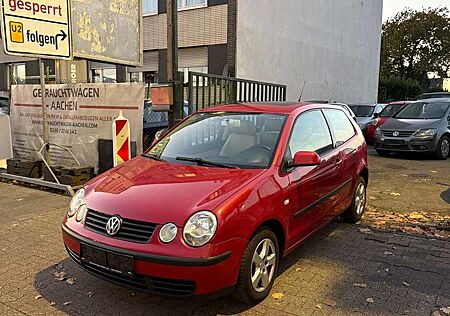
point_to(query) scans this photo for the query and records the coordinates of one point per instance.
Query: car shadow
(386, 266)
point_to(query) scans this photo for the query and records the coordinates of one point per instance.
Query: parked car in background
(216, 203)
(366, 112)
(422, 126)
(4, 105)
(390, 110)
(435, 95)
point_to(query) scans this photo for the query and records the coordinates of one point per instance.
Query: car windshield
(391, 109)
(424, 111)
(362, 110)
(222, 139)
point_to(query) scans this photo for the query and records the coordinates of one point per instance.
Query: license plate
(112, 261)
(395, 142)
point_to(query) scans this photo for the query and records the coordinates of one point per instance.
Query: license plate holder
(112, 261)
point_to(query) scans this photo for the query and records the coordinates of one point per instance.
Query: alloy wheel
(360, 198)
(263, 265)
(445, 148)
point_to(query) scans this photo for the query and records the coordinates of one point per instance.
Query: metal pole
(172, 59)
(44, 110)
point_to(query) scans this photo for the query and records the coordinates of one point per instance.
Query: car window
(340, 125)
(378, 109)
(391, 109)
(310, 133)
(424, 111)
(244, 140)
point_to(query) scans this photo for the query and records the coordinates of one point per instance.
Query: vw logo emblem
(113, 225)
(395, 134)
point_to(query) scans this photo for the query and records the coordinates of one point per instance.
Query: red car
(215, 204)
(389, 111)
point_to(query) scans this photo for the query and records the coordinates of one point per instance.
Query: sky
(392, 7)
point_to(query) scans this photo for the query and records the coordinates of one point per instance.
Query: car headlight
(200, 229)
(168, 233)
(425, 132)
(378, 132)
(375, 121)
(81, 213)
(76, 202)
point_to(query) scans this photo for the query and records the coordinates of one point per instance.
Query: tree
(415, 43)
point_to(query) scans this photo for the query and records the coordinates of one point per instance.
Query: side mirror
(304, 159)
(377, 115)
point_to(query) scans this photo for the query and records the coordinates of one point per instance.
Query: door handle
(338, 161)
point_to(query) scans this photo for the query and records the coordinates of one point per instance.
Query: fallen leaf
(67, 303)
(436, 313)
(370, 300)
(361, 285)
(445, 310)
(330, 302)
(18, 200)
(132, 294)
(406, 284)
(395, 194)
(318, 306)
(387, 270)
(277, 296)
(37, 297)
(434, 171)
(70, 281)
(60, 276)
(365, 230)
(14, 225)
(388, 253)
(52, 304)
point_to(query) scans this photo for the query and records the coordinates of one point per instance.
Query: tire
(443, 148)
(356, 210)
(382, 153)
(244, 290)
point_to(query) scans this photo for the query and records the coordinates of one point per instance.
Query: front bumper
(162, 274)
(409, 144)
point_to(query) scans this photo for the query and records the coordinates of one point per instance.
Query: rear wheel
(382, 153)
(258, 268)
(443, 148)
(356, 210)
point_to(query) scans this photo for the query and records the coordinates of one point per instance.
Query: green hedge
(398, 89)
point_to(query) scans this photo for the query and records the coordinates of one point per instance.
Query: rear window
(362, 110)
(424, 111)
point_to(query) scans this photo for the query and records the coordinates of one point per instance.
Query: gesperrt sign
(37, 28)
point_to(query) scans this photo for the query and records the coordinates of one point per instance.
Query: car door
(309, 186)
(346, 142)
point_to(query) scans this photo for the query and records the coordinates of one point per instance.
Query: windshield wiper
(203, 162)
(151, 156)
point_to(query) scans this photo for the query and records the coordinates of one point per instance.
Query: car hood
(363, 120)
(410, 125)
(160, 192)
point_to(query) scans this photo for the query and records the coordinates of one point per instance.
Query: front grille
(151, 284)
(389, 133)
(131, 230)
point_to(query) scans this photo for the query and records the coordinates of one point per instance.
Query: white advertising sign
(78, 115)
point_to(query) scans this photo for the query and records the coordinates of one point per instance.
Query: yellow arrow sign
(39, 28)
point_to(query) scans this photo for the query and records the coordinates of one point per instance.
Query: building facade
(331, 48)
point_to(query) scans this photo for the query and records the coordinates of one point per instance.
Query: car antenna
(301, 94)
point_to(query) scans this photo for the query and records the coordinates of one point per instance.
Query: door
(310, 186)
(345, 140)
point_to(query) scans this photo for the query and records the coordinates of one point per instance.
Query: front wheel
(356, 210)
(443, 148)
(258, 268)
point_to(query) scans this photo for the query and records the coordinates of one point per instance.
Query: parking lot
(385, 265)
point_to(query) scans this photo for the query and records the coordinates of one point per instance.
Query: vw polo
(219, 199)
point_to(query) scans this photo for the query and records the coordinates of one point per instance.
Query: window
(310, 133)
(149, 7)
(423, 111)
(190, 4)
(107, 75)
(340, 125)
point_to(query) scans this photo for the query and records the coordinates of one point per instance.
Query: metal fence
(206, 90)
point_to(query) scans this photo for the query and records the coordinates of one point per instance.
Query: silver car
(422, 126)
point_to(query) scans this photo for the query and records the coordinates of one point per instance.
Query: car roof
(435, 100)
(262, 107)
